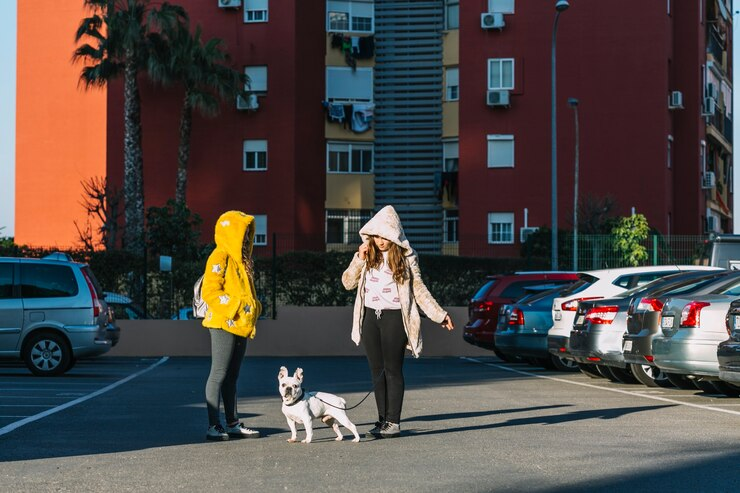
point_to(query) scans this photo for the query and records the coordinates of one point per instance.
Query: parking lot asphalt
(133, 424)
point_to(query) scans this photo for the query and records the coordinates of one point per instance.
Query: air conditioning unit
(226, 4)
(712, 90)
(676, 100)
(497, 98)
(251, 102)
(710, 106)
(492, 20)
(524, 233)
(708, 181)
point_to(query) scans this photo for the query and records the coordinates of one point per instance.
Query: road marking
(7, 429)
(619, 391)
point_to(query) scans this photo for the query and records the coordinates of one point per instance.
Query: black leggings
(385, 341)
(227, 354)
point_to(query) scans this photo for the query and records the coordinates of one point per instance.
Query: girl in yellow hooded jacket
(233, 310)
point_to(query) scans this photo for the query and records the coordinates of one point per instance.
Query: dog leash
(363, 399)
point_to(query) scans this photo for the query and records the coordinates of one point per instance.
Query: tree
(628, 235)
(101, 202)
(179, 56)
(116, 45)
(174, 231)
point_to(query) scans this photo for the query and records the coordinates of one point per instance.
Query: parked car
(522, 330)
(643, 324)
(123, 307)
(600, 325)
(592, 285)
(52, 312)
(692, 326)
(728, 352)
(483, 309)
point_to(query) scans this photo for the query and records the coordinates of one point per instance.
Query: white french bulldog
(304, 407)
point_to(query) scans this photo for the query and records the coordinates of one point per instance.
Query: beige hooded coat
(412, 291)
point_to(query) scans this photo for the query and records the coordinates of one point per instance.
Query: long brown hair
(396, 261)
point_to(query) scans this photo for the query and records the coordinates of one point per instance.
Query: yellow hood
(230, 230)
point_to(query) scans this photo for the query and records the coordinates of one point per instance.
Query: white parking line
(620, 391)
(12, 426)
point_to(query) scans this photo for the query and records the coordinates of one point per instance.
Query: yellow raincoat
(227, 289)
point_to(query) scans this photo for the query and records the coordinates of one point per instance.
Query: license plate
(627, 346)
(558, 315)
(666, 322)
(579, 320)
(736, 322)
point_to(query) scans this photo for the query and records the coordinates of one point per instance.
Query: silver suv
(52, 311)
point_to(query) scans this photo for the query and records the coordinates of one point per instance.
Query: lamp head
(573, 101)
(561, 5)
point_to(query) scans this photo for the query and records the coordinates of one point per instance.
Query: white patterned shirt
(381, 291)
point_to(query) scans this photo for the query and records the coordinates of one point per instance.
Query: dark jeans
(385, 341)
(227, 353)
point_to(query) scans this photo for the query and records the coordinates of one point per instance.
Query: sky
(7, 118)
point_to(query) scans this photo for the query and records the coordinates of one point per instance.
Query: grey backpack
(200, 307)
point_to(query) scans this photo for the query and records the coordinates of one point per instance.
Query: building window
(255, 10)
(356, 16)
(260, 230)
(452, 84)
(451, 156)
(343, 226)
(500, 73)
(503, 6)
(349, 157)
(343, 84)
(450, 226)
(501, 227)
(257, 78)
(452, 14)
(255, 155)
(500, 151)
(669, 157)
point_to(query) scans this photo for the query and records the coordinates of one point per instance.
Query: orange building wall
(60, 127)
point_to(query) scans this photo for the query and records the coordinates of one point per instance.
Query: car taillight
(690, 313)
(93, 294)
(602, 314)
(516, 317)
(728, 326)
(484, 306)
(650, 305)
(572, 305)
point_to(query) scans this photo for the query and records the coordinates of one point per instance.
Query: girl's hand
(447, 323)
(362, 251)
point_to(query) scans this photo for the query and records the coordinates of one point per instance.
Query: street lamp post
(573, 102)
(560, 6)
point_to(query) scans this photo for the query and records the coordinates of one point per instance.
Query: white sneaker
(216, 432)
(241, 431)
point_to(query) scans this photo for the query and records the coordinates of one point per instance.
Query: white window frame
(353, 9)
(451, 220)
(354, 86)
(257, 75)
(348, 148)
(500, 84)
(255, 147)
(505, 232)
(452, 6)
(452, 84)
(450, 150)
(256, 11)
(260, 229)
(492, 140)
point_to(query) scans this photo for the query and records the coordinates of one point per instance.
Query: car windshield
(584, 281)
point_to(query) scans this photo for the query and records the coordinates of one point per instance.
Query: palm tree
(117, 45)
(179, 56)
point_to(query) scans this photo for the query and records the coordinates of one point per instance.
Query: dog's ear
(298, 374)
(283, 372)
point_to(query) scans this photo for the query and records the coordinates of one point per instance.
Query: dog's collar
(296, 401)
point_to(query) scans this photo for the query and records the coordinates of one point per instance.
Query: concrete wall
(297, 331)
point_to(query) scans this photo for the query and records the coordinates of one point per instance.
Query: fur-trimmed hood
(386, 224)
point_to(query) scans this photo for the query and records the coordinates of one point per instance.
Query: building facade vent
(229, 4)
(492, 20)
(708, 180)
(497, 98)
(676, 100)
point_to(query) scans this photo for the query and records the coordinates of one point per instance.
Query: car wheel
(47, 354)
(680, 381)
(728, 389)
(606, 373)
(563, 364)
(649, 375)
(589, 370)
(622, 375)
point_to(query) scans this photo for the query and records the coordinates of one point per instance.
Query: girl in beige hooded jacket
(385, 272)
